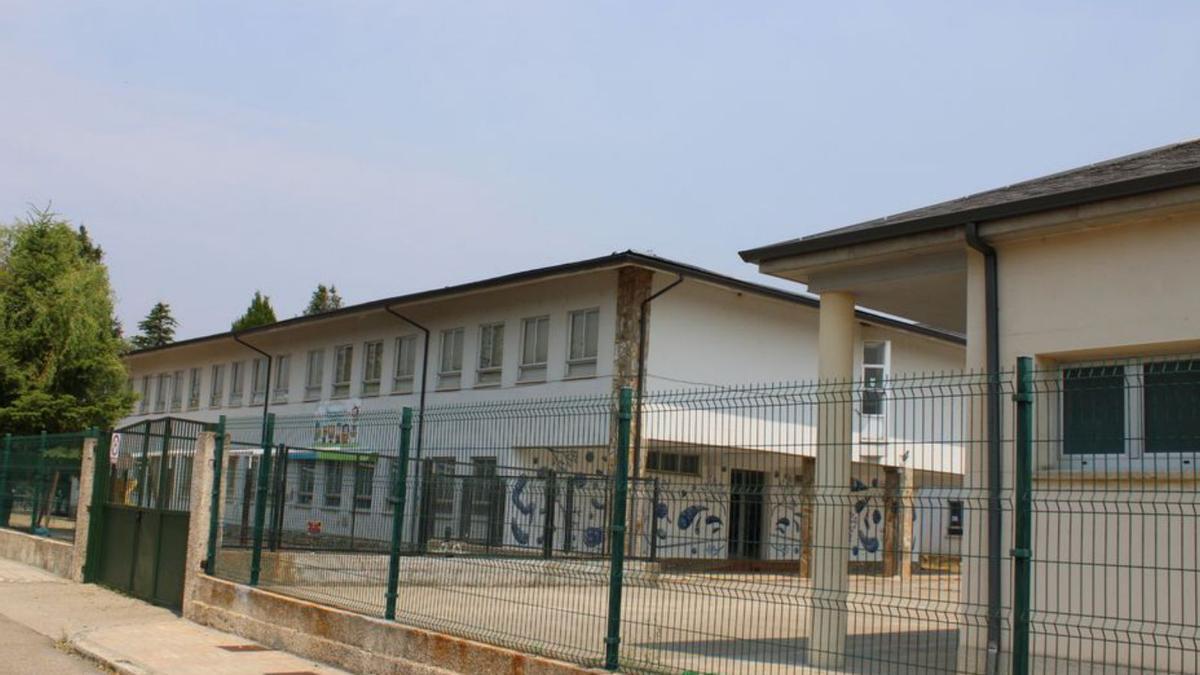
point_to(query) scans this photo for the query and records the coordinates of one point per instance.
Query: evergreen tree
(158, 328)
(60, 364)
(324, 299)
(259, 313)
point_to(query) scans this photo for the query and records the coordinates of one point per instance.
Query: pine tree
(158, 328)
(324, 299)
(259, 313)
(60, 364)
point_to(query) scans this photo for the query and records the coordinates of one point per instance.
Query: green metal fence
(39, 483)
(765, 529)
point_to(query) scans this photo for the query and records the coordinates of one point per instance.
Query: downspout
(424, 373)
(995, 464)
(267, 392)
(641, 373)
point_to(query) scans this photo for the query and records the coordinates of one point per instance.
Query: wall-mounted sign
(114, 448)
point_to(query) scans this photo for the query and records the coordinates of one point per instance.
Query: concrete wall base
(55, 557)
(351, 641)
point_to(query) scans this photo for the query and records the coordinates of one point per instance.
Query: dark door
(746, 490)
(481, 510)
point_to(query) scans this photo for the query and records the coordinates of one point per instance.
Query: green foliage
(60, 365)
(158, 328)
(259, 313)
(324, 299)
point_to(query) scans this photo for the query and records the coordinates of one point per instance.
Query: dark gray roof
(1158, 169)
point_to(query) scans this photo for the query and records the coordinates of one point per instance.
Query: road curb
(100, 654)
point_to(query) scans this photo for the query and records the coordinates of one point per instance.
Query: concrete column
(634, 286)
(808, 475)
(830, 557)
(199, 520)
(83, 510)
(898, 523)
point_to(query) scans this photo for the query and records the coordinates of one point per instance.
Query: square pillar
(831, 546)
(199, 519)
(898, 522)
(83, 508)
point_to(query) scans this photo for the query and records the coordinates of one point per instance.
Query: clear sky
(215, 148)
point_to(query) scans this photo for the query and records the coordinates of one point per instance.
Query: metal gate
(143, 515)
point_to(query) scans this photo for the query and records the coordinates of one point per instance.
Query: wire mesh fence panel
(766, 561)
(1114, 545)
(39, 483)
(151, 466)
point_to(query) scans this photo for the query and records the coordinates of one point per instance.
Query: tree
(158, 328)
(324, 299)
(60, 364)
(259, 313)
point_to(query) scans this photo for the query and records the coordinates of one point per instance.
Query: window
(237, 382)
(1094, 410)
(584, 343)
(334, 480)
(343, 363)
(450, 373)
(216, 390)
(874, 376)
(491, 354)
(364, 485)
(160, 394)
(406, 359)
(442, 499)
(305, 481)
(177, 390)
(258, 381)
(144, 404)
(1131, 410)
(673, 462)
(283, 377)
(954, 526)
(372, 368)
(314, 375)
(194, 389)
(535, 343)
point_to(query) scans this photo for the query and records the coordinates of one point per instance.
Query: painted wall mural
(690, 521)
(580, 513)
(866, 521)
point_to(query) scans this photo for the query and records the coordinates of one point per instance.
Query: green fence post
(214, 511)
(5, 497)
(39, 477)
(1023, 520)
(399, 495)
(612, 641)
(100, 472)
(260, 498)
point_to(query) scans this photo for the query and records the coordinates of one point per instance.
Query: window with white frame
(237, 382)
(1131, 410)
(144, 404)
(491, 354)
(372, 367)
(283, 376)
(406, 362)
(343, 369)
(335, 479)
(584, 342)
(874, 376)
(450, 371)
(193, 389)
(314, 375)
(160, 393)
(364, 486)
(659, 461)
(258, 380)
(177, 391)
(216, 391)
(306, 475)
(535, 347)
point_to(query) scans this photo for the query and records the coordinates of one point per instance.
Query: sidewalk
(130, 636)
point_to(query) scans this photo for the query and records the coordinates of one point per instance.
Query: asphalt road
(28, 652)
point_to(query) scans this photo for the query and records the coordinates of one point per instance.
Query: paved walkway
(121, 633)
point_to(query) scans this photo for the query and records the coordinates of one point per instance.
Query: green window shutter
(1094, 410)
(1171, 400)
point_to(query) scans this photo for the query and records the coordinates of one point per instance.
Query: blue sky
(221, 147)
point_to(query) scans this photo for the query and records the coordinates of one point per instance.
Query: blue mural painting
(866, 520)
(690, 522)
(528, 523)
